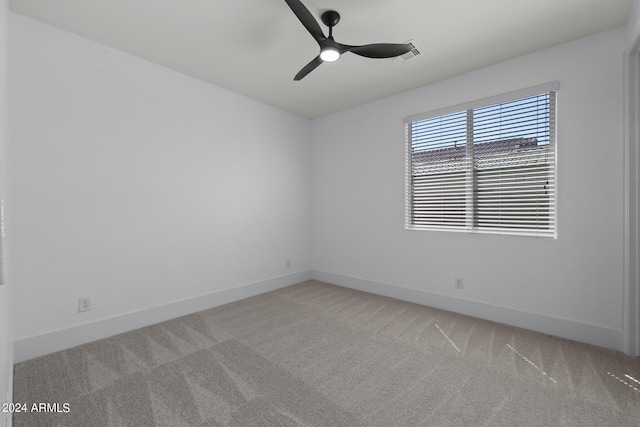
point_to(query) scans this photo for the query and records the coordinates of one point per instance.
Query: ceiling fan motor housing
(330, 18)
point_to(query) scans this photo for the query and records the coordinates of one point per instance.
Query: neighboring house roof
(488, 155)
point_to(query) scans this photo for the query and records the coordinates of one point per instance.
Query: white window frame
(471, 226)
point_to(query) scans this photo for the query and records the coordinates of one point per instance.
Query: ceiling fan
(330, 50)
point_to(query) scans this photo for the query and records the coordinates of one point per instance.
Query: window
(487, 166)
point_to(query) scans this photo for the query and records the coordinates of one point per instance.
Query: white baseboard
(40, 345)
(49, 342)
(564, 328)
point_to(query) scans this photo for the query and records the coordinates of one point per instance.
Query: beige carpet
(315, 354)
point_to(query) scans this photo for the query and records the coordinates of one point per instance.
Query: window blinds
(488, 166)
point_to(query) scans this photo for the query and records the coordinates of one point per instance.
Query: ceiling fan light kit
(330, 50)
(329, 54)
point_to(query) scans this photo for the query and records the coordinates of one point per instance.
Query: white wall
(139, 187)
(632, 162)
(572, 286)
(633, 22)
(6, 343)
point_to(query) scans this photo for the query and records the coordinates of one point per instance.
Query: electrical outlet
(459, 283)
(84, 304)
(287, 264)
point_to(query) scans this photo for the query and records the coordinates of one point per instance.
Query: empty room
(319, 213)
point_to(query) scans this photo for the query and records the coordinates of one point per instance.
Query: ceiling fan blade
(308, 68)
(306, 18)
(379, 50)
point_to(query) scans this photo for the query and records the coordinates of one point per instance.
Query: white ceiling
(255, 47)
